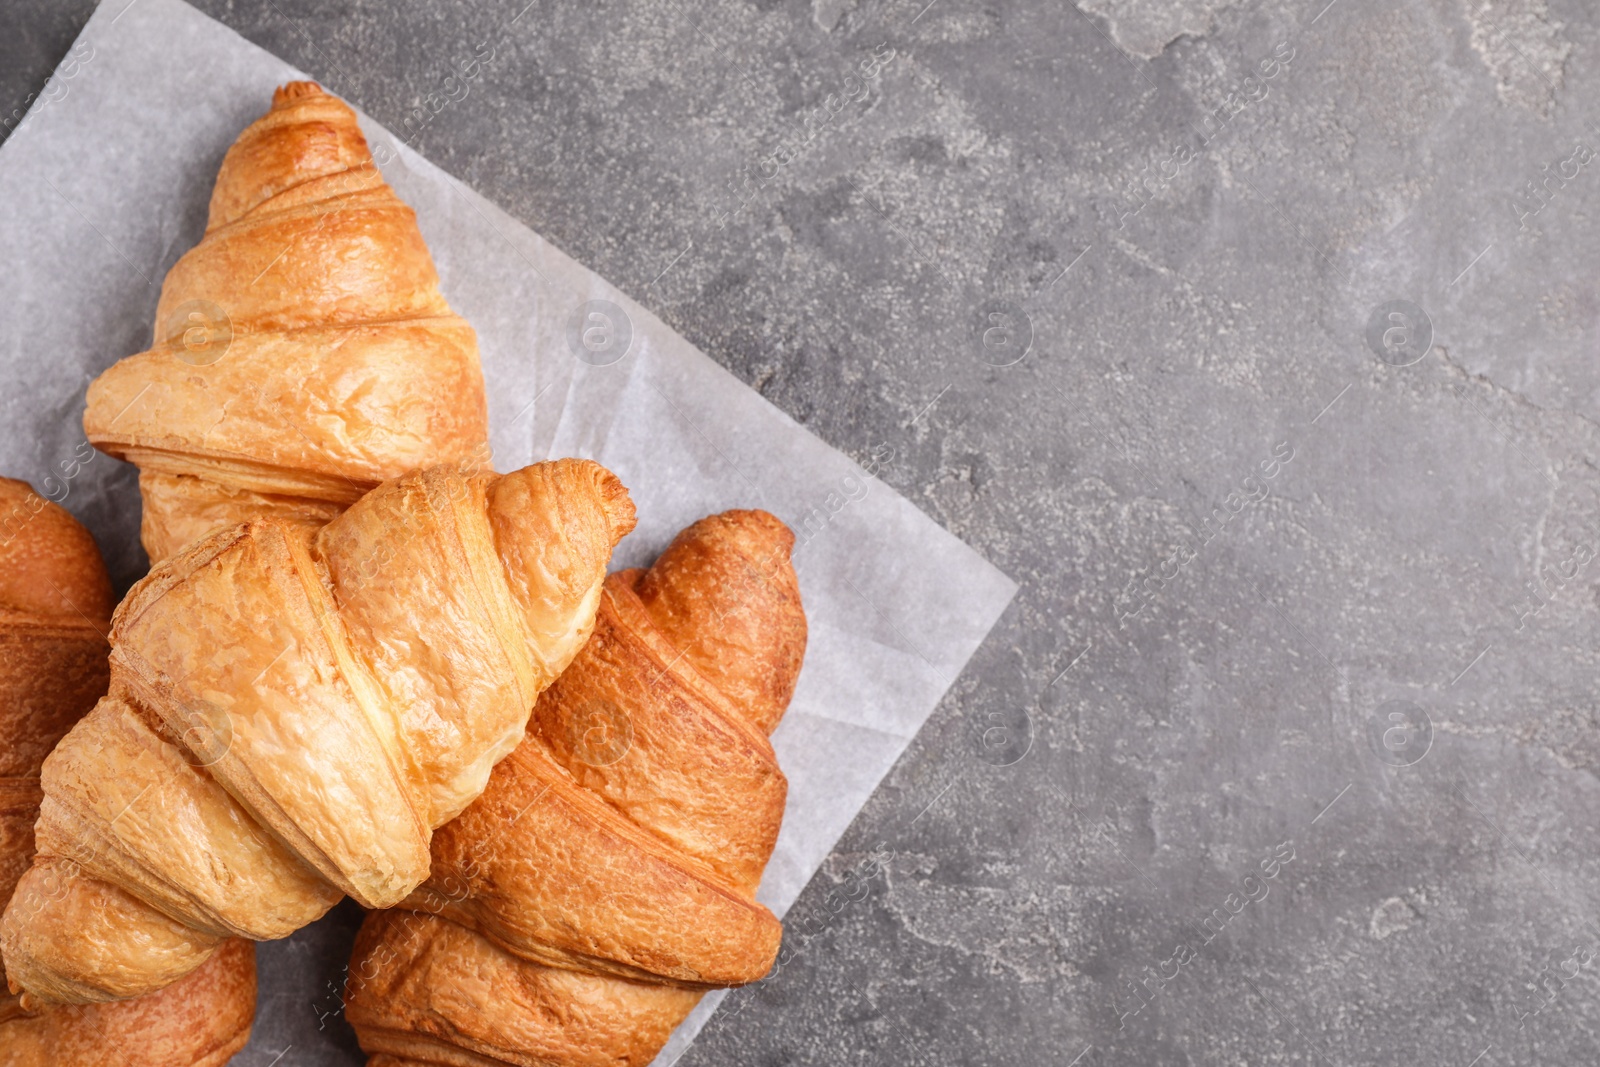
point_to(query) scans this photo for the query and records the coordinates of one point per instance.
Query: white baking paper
(106, 183)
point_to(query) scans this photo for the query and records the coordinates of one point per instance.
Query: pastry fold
(302, 353)
(577, 910)
(293, 711)
(55, 606)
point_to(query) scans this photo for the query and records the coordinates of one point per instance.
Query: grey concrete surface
(1286, 752)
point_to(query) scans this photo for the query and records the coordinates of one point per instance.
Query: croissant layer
(293, 712)
(200, 1021)
(447, 996)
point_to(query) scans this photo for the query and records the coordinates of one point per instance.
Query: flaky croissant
(577, 910)
(302, 352)
(293, 712)
(55, 606)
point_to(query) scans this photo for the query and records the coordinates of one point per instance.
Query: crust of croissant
(437, 994)
(500, 964)
(154, 855)
(321, 412)
(19, 807)
(303, 710)
(121, 945)
(49, 565)
(677, 723)
(553, 874)
(182, 508)
(302, 730)
(55, 600)
(726, 594)
(52, 669)
(343, 365)
(55, 605)
(199, 1021)
(55, 608)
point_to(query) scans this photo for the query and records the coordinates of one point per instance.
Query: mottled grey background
(1170, 699)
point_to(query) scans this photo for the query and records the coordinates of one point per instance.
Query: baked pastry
(606, 878)
(302, 353)
(55, 606)
(199, 1021)
(293, 711)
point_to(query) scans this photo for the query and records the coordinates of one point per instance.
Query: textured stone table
(1257, 340)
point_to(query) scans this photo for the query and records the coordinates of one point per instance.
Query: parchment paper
(106, 183)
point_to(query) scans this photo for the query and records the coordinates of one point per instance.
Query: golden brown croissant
(579, 908)
(291, 714)
(302, 353)
(55, 606)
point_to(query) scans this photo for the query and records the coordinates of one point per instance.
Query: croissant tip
(618, 504)
(762, 534)
(294, 92)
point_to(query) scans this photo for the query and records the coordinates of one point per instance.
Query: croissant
(292, 712)
(302, 352)
(55, 605)
(580, 907)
